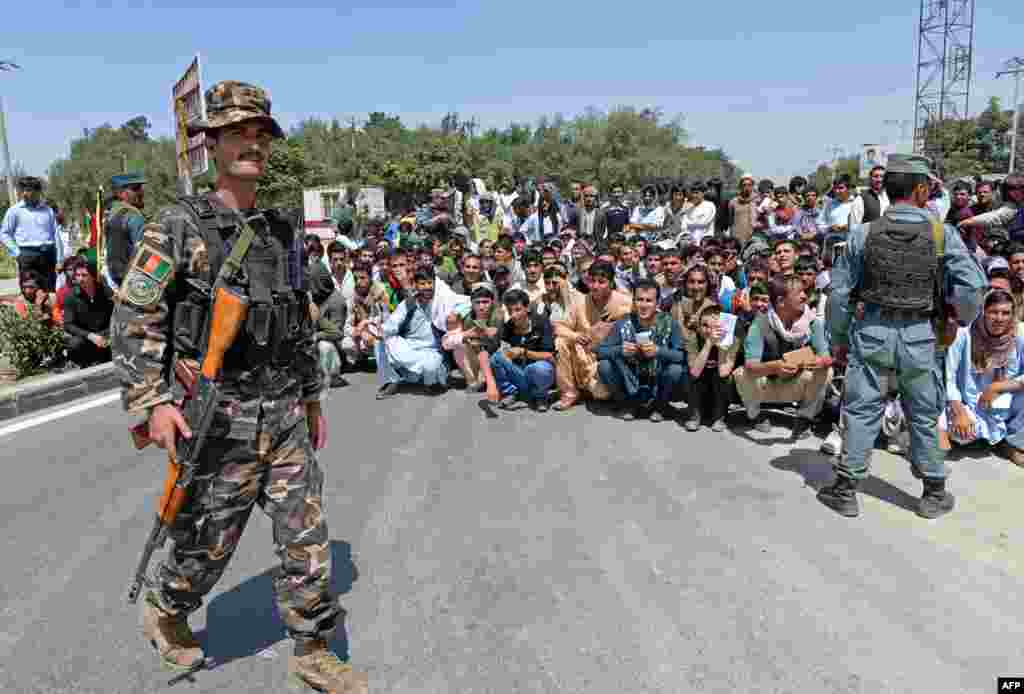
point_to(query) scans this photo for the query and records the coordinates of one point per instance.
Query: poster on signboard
(872, 156)
(187, 105)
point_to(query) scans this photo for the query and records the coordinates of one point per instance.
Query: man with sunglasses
(123, 228)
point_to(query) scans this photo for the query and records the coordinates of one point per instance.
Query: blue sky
(774, 84)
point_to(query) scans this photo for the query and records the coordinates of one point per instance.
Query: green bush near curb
(8, 268)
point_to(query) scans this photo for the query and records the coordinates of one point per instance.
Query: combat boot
(321, 670)
(841, 497)
(170, 636)
(935, 501)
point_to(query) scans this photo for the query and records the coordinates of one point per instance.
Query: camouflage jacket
(172, 251)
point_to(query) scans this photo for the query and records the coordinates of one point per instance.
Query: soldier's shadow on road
(244, 621)
(816, 469)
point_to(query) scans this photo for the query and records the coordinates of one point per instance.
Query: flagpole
(101, 256)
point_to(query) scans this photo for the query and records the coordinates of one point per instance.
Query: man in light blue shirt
(29, 231)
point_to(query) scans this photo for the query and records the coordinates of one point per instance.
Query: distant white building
(320, 204)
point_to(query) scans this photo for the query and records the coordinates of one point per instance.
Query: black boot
(841, 497)
(935, 501)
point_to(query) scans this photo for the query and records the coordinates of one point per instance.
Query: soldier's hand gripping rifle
(230, 309)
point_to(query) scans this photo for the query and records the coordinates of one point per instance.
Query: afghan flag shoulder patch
(153, 263)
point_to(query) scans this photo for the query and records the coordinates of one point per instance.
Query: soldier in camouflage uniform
(261, 444)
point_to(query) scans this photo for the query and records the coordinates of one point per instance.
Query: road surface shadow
(244, 621)
(816, 469)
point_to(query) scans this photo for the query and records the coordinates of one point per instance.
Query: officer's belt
(897, 314)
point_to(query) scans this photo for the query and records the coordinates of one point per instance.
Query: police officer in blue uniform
(907, 269)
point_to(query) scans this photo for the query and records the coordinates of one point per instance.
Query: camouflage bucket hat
(230, 102)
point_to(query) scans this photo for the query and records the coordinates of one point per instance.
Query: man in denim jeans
(525, 369)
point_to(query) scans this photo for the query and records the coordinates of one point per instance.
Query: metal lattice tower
(945, 54)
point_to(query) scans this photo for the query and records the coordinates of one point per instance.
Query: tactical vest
(774, 346)
(901, 266)
(118, 242)
(271, 276)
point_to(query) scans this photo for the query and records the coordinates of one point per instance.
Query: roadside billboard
(872, 156)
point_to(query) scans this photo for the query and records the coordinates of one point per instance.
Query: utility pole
(124, 163)
(1015, 67)
(7, 66)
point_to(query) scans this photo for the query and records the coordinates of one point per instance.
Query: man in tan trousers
(588, 322)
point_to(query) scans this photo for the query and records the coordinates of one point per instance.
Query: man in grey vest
(905, 268)
(122, 231)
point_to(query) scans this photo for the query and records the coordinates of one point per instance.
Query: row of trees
(623, 146)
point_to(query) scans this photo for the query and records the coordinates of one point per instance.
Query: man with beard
(590, 218)
(122, 229)
(364, 316)
(961, 209)
(331, 289)
(268, 420)
(578, 336)
(411, 349)
(642, 360)
(674, 269)
(743, 211)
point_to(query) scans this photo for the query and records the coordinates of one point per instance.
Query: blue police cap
(125, 180)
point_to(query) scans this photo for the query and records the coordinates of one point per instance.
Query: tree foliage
(623, 146)
(974, 146)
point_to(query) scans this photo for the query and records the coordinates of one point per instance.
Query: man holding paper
(787, 358)
(642, 359)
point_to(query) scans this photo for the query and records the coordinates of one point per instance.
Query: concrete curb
(41, 392)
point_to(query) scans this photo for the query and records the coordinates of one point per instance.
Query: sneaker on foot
(692, 424)
(718, 426)
(508, 402)
(833, 443)
(387, 391)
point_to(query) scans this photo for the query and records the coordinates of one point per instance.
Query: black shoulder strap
(771, 340)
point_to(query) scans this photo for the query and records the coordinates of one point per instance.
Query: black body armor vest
(901, 267)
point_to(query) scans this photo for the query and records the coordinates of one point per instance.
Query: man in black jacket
(87, 311)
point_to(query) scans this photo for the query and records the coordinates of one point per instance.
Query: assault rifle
(230, 309)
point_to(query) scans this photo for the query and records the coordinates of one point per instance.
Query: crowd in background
(671, 303)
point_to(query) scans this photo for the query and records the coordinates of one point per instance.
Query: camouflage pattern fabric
(173, 251)
(280, 473)
(231, 102)
(258, 450)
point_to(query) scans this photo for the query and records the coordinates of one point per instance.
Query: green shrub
(27, 343)
(8, 266)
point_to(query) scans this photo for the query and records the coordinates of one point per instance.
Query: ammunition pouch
(273, 333)
(191, 314)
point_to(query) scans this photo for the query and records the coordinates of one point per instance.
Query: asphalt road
(533, 553)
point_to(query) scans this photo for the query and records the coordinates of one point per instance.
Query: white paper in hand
(728, 323)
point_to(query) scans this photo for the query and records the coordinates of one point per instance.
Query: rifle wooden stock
(229, 313)
(173, 497)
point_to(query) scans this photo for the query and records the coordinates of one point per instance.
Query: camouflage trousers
(280, 473)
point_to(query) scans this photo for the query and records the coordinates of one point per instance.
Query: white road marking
(59, 414)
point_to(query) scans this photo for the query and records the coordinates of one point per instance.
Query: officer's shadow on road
(816, 469)
(244, 621)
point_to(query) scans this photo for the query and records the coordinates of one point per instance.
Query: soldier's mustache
(251, 156)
